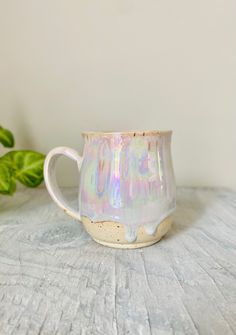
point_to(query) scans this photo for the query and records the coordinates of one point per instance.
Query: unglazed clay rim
(128, 245)
(129, 133)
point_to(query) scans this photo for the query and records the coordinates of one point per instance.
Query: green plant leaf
(7, 182)
(27, 166)
(6, 138)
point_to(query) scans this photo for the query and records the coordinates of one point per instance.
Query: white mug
(126, 193)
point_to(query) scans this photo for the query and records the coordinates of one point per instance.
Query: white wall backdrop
(68, 66)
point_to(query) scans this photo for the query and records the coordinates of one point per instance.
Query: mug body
(127, 187)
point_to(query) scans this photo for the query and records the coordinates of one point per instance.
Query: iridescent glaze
(127, 178)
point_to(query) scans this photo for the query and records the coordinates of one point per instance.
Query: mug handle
(51, 181)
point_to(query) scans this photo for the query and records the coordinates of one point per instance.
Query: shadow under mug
(126, 192)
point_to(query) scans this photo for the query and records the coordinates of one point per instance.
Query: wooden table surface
(55, 280)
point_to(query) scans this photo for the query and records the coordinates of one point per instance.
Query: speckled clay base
(112, 234)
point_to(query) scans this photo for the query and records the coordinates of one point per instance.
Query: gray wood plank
(55, 280)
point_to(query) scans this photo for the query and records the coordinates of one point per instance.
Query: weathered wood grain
(55, 280)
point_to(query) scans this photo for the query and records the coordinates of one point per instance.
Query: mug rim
(130, 133)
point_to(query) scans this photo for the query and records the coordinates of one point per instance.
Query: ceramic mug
(126, 193)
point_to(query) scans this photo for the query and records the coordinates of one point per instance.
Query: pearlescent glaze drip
(127, 179)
